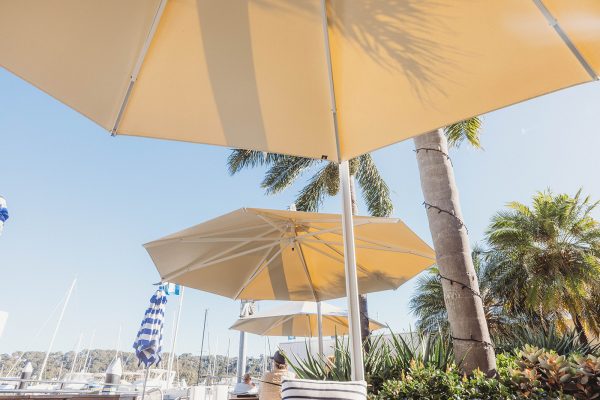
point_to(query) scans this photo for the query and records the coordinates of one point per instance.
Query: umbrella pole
(145, 382)
(356, 355)
(320, 328)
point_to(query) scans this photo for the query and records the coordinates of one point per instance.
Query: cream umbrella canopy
(308, 78)
(305, 319)
(259, 254)
(298, 319)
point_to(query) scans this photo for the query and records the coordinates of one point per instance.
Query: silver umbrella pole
(356, 355)
(320, 328)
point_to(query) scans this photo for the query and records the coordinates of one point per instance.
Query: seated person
(246, 386)
(270, 384)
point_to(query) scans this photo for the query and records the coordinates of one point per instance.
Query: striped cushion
(325, 390)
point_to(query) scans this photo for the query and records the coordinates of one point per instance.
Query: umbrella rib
(332, 100)
(341, 261)
(280, 322)
(303, 261)
(189, 268)
(245, 239)
(566, 39)
(259, 268)
(359, 266)
(237, 246)
(138, 65)
(336, 230)
(384, 245)
(273, 224)
(208, 235)
(393, 247)
(374, 246)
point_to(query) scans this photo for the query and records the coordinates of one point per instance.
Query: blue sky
(82, 203)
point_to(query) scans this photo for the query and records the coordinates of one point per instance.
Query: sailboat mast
(174, 340)
(77, 348)
(227, 358)
(202, 346)
(87, 354)
(60, 318)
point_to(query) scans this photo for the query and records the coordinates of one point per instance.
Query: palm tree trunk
(362, 298)
(470, 336)
(580, 330)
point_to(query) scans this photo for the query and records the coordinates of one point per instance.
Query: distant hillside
(60, 363)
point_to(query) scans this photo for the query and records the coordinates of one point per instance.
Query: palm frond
(240, 159)
(284, 171)
(324, 182)
(468, 130)
(375, 191)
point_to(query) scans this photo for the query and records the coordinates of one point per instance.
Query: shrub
(573, 376)
(429, 383)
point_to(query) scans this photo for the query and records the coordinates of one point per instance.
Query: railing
(98, 388)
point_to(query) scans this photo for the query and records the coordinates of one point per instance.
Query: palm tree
(555, 249)
(466, 314)
(428, 302)
(285, 170)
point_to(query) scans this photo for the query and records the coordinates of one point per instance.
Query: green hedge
(530, 374)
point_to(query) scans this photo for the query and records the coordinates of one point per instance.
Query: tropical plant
(466, 315)
(388, 357)
(284, 170)
(554, 249)
(428, 302)
(549, 338)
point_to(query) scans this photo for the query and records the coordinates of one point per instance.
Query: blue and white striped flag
(149, 338)
(3, 213)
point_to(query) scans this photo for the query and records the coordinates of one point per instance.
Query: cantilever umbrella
(298, 319)
(267, 74)
(304, 319)
(315, 78)
(259, 254)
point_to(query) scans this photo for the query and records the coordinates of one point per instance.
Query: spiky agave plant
(389, 356)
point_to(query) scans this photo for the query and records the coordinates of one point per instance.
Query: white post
(356, 355)
(320, 328)
(174, 341)
(241, 361)
(62, 314)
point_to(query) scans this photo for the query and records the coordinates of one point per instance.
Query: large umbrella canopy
(298, 319)
(262, 254)
(312, 78)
